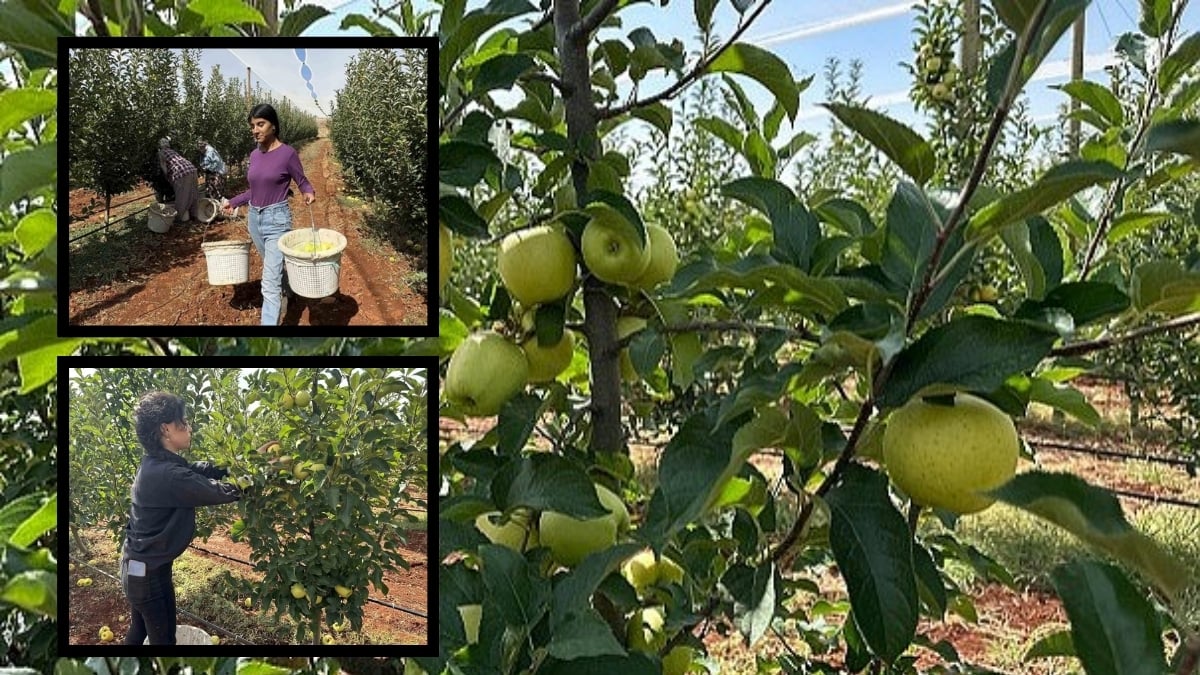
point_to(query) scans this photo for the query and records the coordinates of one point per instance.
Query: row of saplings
(942, 451)
(538, 265)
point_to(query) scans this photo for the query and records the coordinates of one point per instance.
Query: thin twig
(1098, 344)
(999, 117)
(1109, 209)
(694, 74)
(593, 19)
(704, 326)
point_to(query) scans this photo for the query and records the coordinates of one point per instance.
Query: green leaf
(582, 635)
(911, 228)
(901, 144)
(18, 106)
(32, 35)
(1086, 301)
(691, 463)
(516, 589)
(1057, 643)
(1015, 14)
(16, 512)
(1132, 222)
(463, 163)
(760, 273)
(1098, 98)
(1094, 515)
(35, 231)
(546, 482)
(461, 216)
(795, 230)
(755, 592)
(373, 28)
(703, 11)
(473, 25)
(1055, 186)
(873, 548)
(42, 521)
(930, 588)
(723, 130)
(1165, 286)
(969, 353)
(1179, 63)
(1156, 17)
(39, 365)
(573, 590)
(1060, 397)
(657, 115)
(766, 68)
(220, 12)
(646, 349)
(634, 663)
(34, 591)
(1179, 136)
(517, 420)
(27, 171)
(1114, 628)
(500, 72)
(301, 18)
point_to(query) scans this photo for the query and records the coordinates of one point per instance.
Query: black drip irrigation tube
(1188, 465)
(406, 610)
(216, 629)
(106, 225)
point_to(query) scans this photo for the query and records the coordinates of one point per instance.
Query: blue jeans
(151, 605)
(267, 224)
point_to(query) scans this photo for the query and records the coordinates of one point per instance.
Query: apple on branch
(537, 264)
(485, 371)
(948, 455)
(612, 249)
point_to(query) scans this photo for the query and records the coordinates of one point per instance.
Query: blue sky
(279, 70)
(877, 32)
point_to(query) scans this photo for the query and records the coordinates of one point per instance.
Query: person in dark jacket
(162, 519)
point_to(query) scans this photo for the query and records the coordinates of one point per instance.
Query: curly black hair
(153, 410)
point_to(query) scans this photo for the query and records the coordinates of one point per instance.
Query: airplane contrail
(834, 25)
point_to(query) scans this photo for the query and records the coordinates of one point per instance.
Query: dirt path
(131, 276)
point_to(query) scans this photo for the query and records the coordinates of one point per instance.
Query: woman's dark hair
(153, 410)
(265, 111)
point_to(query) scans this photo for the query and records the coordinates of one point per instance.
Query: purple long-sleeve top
(270, 174)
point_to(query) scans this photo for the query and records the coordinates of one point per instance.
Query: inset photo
(265, 504)
(218, 189)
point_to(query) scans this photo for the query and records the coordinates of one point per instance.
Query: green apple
(511, 534)
(445, 256)
(342, 591)
(485, 371)
(643, 570)
(286, 401)
(300, 472)
(664, 258)
(678, 660)
(327, 639)
(940, 91)
(645, 630)
(247, 602)
(216, 640)
(537, 264)
(545, 363)
(615, 506)
(303, 398)
(612, 248)
(947, 455)
(626, 326)
(298, 591)
(471, 615)
(570, 540)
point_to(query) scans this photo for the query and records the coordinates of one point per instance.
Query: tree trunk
(600, 325)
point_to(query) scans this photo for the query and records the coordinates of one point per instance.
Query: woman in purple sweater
(273, 166)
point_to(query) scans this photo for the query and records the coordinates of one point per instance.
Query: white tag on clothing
(137, 568)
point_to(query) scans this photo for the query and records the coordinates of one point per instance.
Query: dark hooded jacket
(166, 492)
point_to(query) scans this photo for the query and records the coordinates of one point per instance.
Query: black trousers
(151, 605)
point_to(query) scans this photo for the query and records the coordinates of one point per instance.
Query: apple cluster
(570, 540)
(937, 73)
(538, 265)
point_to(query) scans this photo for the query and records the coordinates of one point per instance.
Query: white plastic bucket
(312, 274)
(189, 635)
(161, 217)
(206, 210)
(228, 262)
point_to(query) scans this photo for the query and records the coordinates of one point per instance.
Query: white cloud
(834, 25)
